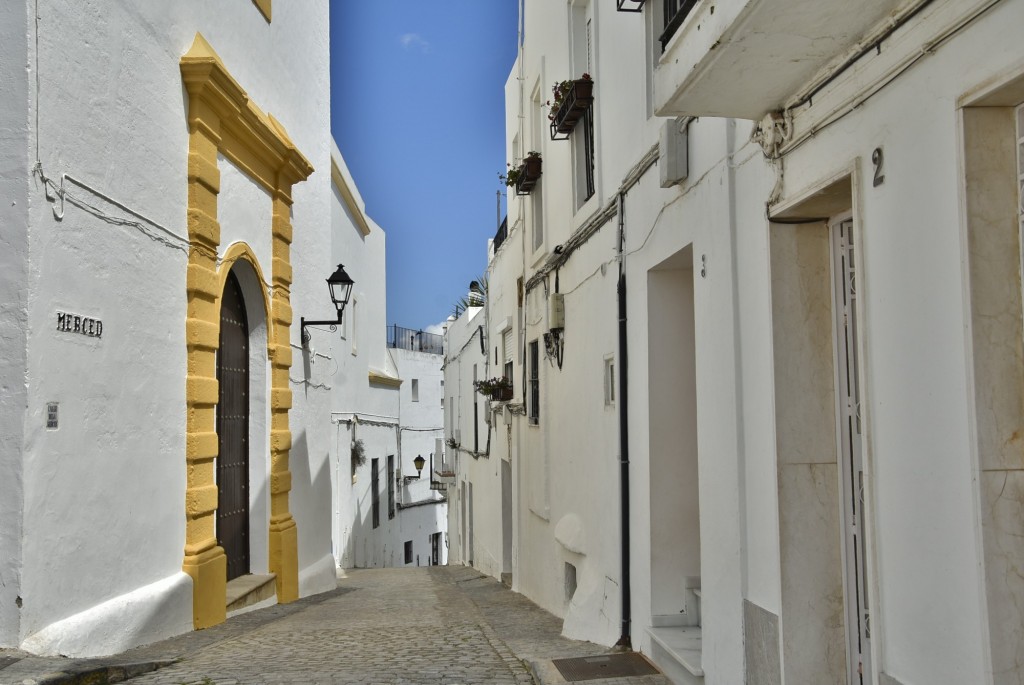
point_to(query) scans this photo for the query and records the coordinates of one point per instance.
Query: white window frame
(609, 380)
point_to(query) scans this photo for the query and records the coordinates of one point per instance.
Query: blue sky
(417, 109)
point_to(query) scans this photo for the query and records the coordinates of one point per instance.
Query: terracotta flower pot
(573, 105)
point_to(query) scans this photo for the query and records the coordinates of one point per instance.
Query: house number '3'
(878, 159)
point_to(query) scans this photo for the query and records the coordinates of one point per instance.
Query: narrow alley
(427, 625)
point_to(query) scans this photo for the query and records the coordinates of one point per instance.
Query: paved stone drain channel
(624, 665)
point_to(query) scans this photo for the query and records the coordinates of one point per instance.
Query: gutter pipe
(627, 611)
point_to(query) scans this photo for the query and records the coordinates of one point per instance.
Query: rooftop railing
(415, 341)
(502, 233)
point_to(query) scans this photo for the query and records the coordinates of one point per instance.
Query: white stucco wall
(112, 114)
(474, 524)
(422, 425)
(14, 187)
(923, 522)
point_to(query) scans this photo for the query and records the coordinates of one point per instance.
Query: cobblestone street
(437, 625)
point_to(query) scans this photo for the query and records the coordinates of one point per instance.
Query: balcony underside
(745, 59)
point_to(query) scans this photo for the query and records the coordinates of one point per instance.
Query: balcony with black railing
(674, 12)
(502, 233)
(414, 340)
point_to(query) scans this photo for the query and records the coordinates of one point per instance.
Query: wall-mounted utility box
(673, 152)
(556, 311)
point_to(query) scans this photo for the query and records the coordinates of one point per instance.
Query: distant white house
(762, 314)
(386, 407)
(484, 476)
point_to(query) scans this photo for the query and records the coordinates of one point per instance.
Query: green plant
(358, 454)
(512, 175)
(559, 91)
(492, 386)
(473, 299)
(451, 443)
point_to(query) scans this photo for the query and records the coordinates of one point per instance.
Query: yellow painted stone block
(284, 559)
(264, 7)
(282, 230)
(282, 272)
(280, 482)
(209, 572)
(281, 355)
(202, 280)
(200, 500)
(202, 225)
(281, 398)
(201, 334)
(201, 391)
(280, 440)
(203, 169)
(200, 446)
(282, 312)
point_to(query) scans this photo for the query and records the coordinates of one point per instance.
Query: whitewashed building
(385, 384)
(764, 315)
(165, 174)
(479, 512)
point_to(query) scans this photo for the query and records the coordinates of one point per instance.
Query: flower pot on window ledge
(502, 394)
(529, 174)
(496, 388)
(572, 100)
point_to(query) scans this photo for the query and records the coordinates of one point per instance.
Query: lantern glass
(418, 462)
(340, 284)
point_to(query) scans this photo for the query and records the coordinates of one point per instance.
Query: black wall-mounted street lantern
(340, 284)
(419, 462)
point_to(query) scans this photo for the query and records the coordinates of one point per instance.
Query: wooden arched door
(233, 430)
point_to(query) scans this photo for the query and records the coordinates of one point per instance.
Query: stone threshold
(245, 591)
(682, 644)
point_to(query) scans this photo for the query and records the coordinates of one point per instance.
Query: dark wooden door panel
(233, 430)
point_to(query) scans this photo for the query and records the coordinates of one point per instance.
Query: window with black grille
(534, 404)
(476, 419)
(375, 490)
(583, 145)
(391, 486)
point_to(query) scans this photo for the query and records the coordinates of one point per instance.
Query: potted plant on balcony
(570, 101)
(524, 176)
(499, 389)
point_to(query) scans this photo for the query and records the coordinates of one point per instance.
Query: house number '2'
(878, 159)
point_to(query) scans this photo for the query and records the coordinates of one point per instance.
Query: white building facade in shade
(386, 393)
(480, 500)
(166, 177)
(806, 218)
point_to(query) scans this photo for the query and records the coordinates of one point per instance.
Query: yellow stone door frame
(222, 119)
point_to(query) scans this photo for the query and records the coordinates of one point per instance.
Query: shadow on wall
(311, 504)
(370, 547)
(360, 549)
(150, 613)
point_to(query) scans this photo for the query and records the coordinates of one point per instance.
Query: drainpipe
(624, 640)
